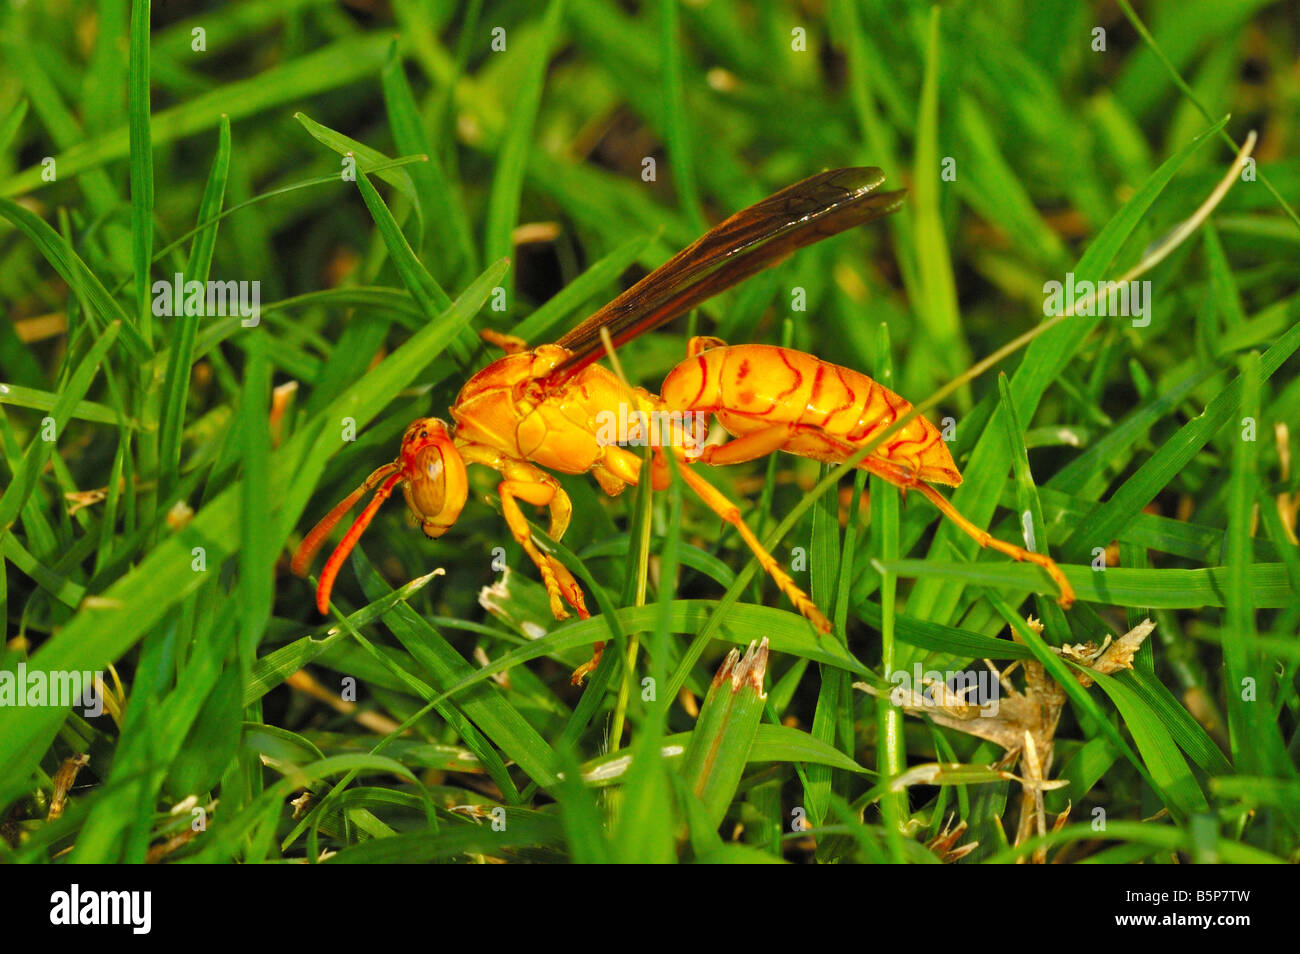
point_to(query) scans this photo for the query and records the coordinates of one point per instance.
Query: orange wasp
(544, 407)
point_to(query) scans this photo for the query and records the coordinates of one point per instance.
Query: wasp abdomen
(834, 410)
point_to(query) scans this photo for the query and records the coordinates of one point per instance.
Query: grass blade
(724, 732)
(141, 163)
(180, 358)
(508, 184)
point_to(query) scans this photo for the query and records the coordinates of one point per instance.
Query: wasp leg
(539, 494)
(908, 481)
(750, 447)
(559, 506)
(701, 343)
(523, 481)
(985, 539)
(586, 669)
(610, 482)
(729, 512)
(510, 344)
(569, 587)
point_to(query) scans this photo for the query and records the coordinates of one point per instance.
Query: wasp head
(435, 483)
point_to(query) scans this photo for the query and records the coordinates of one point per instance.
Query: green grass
(152, 533)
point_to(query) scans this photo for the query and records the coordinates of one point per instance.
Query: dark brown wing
(751, 240)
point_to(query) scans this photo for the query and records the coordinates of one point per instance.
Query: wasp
(538, 410)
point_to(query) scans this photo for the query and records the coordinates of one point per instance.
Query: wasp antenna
(335, 562)
(302, 557)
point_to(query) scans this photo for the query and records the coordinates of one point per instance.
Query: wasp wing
(742, 245)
